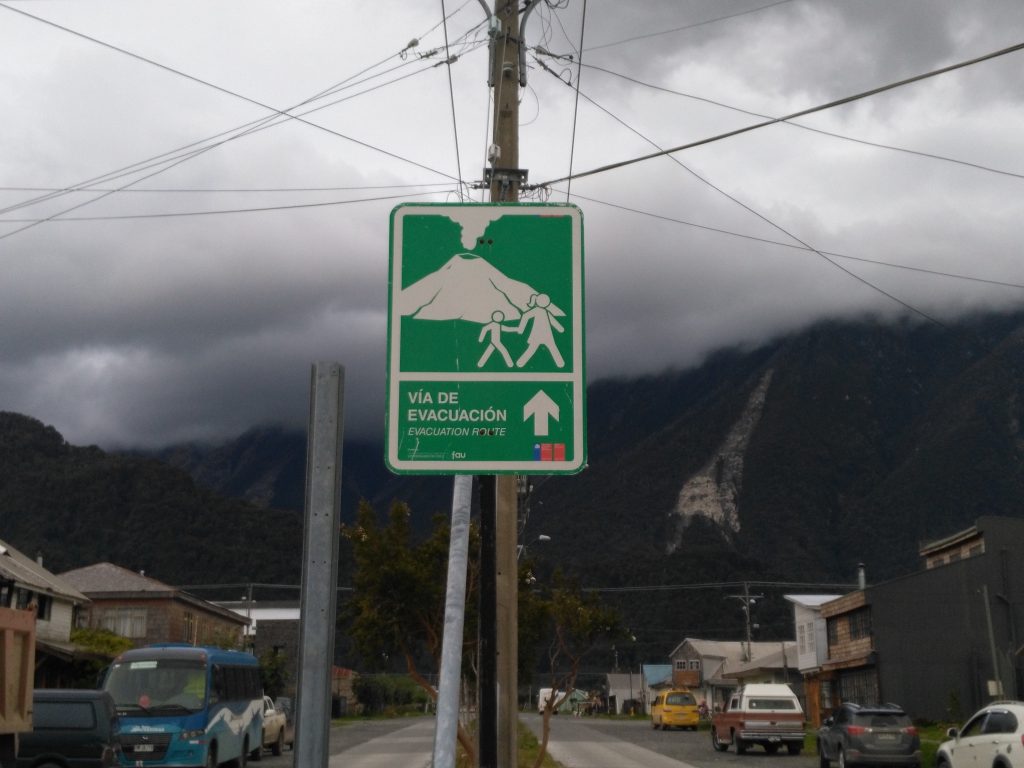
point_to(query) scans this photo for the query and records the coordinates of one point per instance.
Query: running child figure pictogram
(494, 329)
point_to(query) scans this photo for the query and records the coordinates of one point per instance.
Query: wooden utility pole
(505, 181)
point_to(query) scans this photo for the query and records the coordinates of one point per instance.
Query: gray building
(941, 642)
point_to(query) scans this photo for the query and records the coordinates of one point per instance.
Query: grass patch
(528, 747)
(931, 737)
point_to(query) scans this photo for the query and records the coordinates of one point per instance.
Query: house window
(681, 665)
(695, 664)
(860, 686)
(833, 632)
(191, 627)
(801, 633)
(126, 622)
(44, 607)
(860, 623)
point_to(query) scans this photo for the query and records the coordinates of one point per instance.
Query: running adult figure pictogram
(541, 322)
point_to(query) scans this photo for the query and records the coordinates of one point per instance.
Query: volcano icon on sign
(469, 288)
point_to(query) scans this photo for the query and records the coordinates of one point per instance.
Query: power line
(226, 190)
(723, 585)
(864, 281)
(576, 101)
(688, 26)
(451, 96)
(219, 212)
(768, 241)
(802, 126)
(195, 149)
(794, 115)
(278, 113)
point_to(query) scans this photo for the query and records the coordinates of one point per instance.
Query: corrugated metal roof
(26, 572)
(763, 661)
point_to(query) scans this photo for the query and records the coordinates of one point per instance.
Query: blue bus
(182, 705)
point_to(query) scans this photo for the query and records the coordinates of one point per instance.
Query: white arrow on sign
(540, 407)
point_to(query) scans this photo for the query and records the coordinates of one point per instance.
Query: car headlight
(191, 735)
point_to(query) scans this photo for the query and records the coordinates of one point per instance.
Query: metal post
(506, 597)
(487, 706)
(998, 693)
(446, 730)
(319, 565)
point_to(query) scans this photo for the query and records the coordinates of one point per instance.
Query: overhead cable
(802, 126)
(576, 101)
(278, 113)
(689, 26)
(795, 246)
(794, 115)
(219, 212)
(451, 97)
(864, 281)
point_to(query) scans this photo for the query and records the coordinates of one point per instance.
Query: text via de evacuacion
(445, 408)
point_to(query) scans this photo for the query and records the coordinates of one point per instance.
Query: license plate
(144, 748)
(886, 737)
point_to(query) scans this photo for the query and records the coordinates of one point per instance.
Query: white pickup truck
(277, 729)
(768, 714)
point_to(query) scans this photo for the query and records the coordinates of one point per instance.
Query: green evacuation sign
(485, 340)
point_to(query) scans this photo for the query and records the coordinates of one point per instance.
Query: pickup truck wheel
(771, 749)
(741, 745)
(793, 748)
(720, 746)
(278, 746)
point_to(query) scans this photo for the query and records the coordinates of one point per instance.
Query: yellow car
(675, 708)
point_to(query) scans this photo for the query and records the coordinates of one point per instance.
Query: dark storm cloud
(151, 330)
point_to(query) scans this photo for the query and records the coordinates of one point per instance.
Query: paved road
(575, 743)
(602, 743)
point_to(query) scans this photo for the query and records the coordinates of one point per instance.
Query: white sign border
(396, 377)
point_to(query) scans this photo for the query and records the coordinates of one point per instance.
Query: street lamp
(522, 547)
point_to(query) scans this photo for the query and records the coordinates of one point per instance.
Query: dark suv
(70, 729)
(879, 735)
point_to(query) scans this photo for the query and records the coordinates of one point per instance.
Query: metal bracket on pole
(505, 176)
(493, 30)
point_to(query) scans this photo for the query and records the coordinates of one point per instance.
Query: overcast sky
(123, 325)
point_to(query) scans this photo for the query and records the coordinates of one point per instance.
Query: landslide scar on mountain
(714, 490)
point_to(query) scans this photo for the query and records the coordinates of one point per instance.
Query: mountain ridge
(845, 443)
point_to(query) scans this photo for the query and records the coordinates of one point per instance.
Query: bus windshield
(163, 686)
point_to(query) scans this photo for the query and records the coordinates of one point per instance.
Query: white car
(992, 738)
